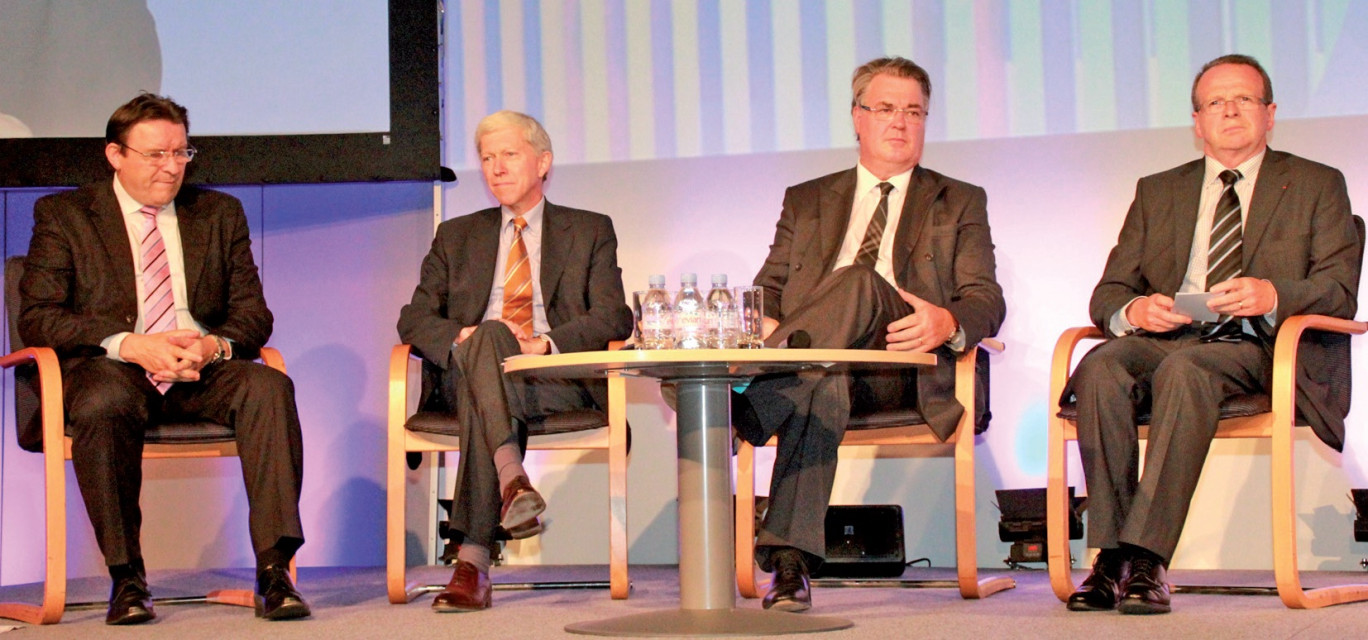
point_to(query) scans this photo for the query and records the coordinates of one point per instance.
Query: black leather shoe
(1146, 589)
(1101, 590)
(790, 590)
(130, 602)
(276, 597)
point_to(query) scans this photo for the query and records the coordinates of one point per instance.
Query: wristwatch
(545, 340)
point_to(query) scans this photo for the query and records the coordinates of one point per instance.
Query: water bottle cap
(688, 278)
(719, 280)
(657, 282)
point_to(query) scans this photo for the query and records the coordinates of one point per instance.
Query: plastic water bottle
(657, 316)
(721, 315)
(688, 316)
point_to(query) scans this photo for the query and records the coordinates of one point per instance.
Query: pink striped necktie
(158, 305)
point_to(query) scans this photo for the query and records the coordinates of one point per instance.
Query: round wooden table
(704, 377)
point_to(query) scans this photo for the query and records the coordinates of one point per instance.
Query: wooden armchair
(38, 388)
(1259, 416)
(894, 427)
(413, 430)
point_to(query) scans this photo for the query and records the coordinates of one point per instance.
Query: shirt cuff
(1119, 325)
(113, 343)
(956, 341)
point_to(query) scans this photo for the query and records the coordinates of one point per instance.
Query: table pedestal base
(705, 622)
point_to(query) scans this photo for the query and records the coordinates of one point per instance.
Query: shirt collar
(127, 205)
(865, 180)
(1249, 169)
(533, 215)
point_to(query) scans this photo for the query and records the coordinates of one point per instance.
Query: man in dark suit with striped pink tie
(149, 295)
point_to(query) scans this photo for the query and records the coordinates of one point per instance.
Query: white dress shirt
(175, 259)
(1194, 280)
(532, 236)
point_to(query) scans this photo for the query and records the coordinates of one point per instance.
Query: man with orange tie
(528, 277)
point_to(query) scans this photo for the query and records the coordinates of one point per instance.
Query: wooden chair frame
(966, 553)
(54, 484)
(1277, 425)
(405, 375)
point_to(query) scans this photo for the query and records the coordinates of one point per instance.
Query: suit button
(130, 318)
(798, 267)
(927, 257)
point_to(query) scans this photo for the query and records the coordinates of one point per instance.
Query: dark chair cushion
(885, 419)
(442, 423)
(185, 433)
(1236, 407)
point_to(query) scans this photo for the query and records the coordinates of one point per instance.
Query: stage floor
(350, 603)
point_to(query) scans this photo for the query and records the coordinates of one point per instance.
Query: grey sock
(509, 461)
(475, 555)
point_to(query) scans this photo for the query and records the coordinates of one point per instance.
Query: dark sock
(1112, 556)
(273, 556)
(123, 571)
(1137, 552)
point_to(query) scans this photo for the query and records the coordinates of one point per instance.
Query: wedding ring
(1242, 304)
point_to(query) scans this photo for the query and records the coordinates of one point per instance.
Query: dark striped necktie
(869, 249)
(1225, 256)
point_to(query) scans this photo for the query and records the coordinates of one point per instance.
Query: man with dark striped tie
(884, 255)
(526, 277)
(1270, 235)
(149, 295)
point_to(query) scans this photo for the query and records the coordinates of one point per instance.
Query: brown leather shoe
(468, 591)
(521, 504)
(1101, 590)
(1146, 589)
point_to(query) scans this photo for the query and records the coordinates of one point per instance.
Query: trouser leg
(493, 411)
(851, 308)
(258, 402)
(1112, 384)
(107, 406)
(1189, 387)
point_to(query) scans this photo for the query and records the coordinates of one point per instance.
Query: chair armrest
(1285, 354)
(1063, 359)
(993, 345)
(271, 357)
(51, 411)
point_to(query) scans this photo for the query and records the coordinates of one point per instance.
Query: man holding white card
(1212, 257)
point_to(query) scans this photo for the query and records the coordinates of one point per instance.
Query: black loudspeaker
(863, 541)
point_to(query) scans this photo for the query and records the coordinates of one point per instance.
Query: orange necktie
(518, 281)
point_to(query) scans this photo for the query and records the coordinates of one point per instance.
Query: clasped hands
(1244, 296)
(170, 356)
(925, 329)
(529, 345)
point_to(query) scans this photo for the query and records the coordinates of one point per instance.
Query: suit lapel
(113, 238)
(482, 251)
(922, 191)
(834, 214)
(1187, 200)
(1268, 191)
(194, 240)
(555, 241)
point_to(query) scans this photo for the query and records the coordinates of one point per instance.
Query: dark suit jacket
(581, 284)
(943, 253)
(78, 285)
(1299, 234)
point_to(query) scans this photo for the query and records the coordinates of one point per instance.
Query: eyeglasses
(157, 157)
(1245, 103)
(886, 114)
